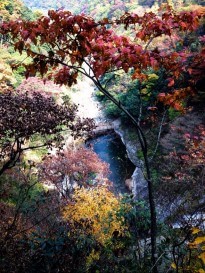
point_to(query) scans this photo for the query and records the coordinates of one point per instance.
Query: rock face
(128, 184)
(102, 128)
(137, 184)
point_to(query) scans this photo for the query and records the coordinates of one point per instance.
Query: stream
(110, 149)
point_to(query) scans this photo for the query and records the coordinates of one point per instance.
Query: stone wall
(137, 183)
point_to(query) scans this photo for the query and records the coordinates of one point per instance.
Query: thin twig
(159, 136)
(140, 109)
(157, 261)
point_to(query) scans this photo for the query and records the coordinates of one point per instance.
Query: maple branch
(34, 147)
(140, 134)
(87, 74)
(149, 42)
(13, 158)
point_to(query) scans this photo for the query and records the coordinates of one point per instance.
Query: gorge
(111, 143)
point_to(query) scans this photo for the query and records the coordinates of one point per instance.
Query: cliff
(137, 184)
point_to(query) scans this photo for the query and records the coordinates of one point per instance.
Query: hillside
(106, 8)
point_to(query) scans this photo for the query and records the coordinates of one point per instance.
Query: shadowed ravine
(109, 146)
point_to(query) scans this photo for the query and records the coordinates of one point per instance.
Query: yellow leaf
(144, 91)
(173, 265)
(153, 77)
(195, 230)
(199, 240)
(192, 245)
(201, 270)
(202, 257)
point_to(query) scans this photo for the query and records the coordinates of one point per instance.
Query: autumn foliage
(77, 39)
(26, 115)
(73, 167)
(96, 209)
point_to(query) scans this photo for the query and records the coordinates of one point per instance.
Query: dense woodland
(146, 60)
(109, 8)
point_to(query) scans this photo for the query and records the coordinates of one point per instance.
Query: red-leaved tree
(24, 116)
(73, 167)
